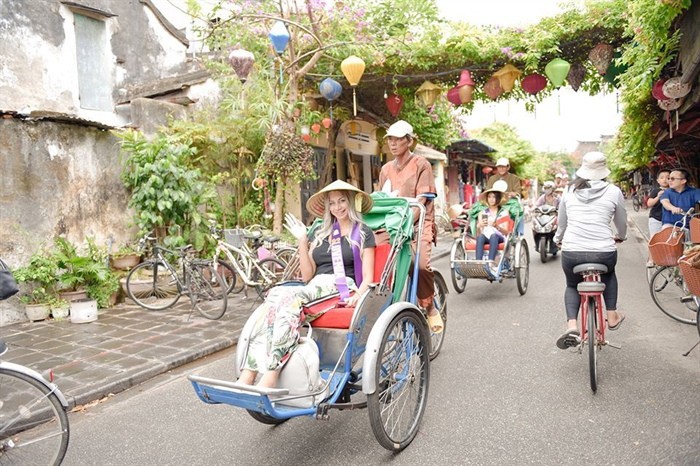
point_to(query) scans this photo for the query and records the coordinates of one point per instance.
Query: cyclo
(381, 348)
(514, 255)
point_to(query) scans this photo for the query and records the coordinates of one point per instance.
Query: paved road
(501, 393)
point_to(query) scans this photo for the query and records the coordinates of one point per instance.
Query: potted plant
(60, 308)
(38, 281)
(126, 257)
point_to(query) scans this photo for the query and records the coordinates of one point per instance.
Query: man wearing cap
(502, 167)
(410, 175)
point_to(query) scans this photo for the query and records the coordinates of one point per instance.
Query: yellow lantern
(353, 67)
(428, 93)
(507, 76)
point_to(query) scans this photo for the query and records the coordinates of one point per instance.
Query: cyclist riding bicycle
(584, 232)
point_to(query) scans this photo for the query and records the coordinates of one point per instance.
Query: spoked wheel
(265, 419)
(33, 424)
(522, 267)
(402, 373)
(592, 344)
(274, 271)
(543, 249)
(440, 303)
(152, 286)
(207, 290)
(229, 276)
(459, 280)
(635, 203)
(670, 294)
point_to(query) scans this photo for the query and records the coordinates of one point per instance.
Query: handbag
(8, 284)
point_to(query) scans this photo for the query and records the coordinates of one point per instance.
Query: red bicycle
(591, 312)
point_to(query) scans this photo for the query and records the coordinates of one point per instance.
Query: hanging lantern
(493, 88)
(330, 89)
(533, 83)
(453, 97)
(465, 87)
(556, 70)
(316, 128)
(305, 133)
(601, 55)
(577, 73)
(241, 61)
(615, 69)
(279, 36)
(675, 88)
(428, 93)
(507, 76)
(670, 104)
(327, 122)
(394, 102)
(657, 90)
(353, 67)
(486, 170)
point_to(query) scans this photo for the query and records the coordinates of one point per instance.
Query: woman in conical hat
(338, 257)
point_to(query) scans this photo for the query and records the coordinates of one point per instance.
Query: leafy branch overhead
(285, 156)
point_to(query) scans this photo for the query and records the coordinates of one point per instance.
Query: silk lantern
(465, 86)
(615, 69)
(601, 55)
(279, 36)
(394, 102)
(533, 83)
(657, 90)
(242, 62)
(493, 88)
(453, 97)
(428, 93)
(331, 90)
(556, 70)
(327, 122)
(353, 67)
(507, 76)
(577, 73)
(675, 88)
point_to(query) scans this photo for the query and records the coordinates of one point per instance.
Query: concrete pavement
(128, 345)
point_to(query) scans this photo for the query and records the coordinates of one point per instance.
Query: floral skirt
(278, 320)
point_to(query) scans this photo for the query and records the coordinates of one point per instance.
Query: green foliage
(166, 190)
(507, 143)
(40, 276)
(435, 126)
(286, 156)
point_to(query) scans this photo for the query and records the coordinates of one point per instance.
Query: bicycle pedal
(613, 345)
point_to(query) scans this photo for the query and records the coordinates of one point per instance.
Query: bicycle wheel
(440, 303)
(291, 258)
(229, 276)
(670, 294)
(285, 254)
(153, 286)
(522, 272)
(403, 374)
(273, 270)
(207, 290)
(33, 423)
(635, 203)
(592, 338)
(459, 280)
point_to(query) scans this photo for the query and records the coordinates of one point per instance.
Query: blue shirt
(684, 199)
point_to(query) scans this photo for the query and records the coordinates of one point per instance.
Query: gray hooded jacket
(585, 215)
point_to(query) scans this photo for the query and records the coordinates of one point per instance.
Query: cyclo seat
(506, 221)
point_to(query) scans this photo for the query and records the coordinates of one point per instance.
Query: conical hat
(316, 205)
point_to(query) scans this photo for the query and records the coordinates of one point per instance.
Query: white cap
(502, 162)
(400, 129)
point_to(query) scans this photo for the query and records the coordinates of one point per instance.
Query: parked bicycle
(639, 199)
(155, 284)
(34, 425)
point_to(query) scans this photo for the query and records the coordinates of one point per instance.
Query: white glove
(294, 226)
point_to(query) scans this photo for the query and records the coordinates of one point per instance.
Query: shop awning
(430, 154)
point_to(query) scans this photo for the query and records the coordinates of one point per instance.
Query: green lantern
(615, 69)
(556, 70)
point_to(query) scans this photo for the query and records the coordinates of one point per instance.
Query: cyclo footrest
(322, 412)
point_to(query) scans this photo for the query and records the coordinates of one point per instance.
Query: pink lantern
(394, 102)
(533, 83)
(326, 122)
(601, 55)
(577, 73)
(316, 128)
(493, 88)
(657, 90)
(465, 86)
(453, 97)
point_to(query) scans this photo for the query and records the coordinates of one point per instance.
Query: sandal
(619, 322)
(435, 323)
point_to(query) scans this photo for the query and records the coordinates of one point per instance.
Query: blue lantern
(279, 36)
(330, 89)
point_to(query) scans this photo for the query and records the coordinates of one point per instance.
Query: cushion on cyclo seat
(340, 317)
(507, 223)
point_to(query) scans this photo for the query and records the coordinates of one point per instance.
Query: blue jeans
(570, 259)
(493, 242)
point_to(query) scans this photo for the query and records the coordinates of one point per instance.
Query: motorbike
(544, 226)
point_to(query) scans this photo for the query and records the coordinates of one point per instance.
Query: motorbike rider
(549, 197)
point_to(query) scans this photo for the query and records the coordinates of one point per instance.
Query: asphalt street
(500, 393)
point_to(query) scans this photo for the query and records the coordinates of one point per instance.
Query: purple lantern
(242, 62)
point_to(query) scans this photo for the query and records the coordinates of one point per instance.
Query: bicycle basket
(695, 230)
(234, 237)
(691, 275)
(666, 246)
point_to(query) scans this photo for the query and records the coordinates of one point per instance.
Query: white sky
(560, 121)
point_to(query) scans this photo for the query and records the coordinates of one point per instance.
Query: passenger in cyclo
(410, 175)
(549, 197)
(334, 257)
(585, 235)
(491, 220)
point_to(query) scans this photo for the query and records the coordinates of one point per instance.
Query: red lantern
(493, 88)
(453, 97)
(533, 83)
(306, 137)
(316, 128)
(394, 103)
(326, 122)
(658, 90)
(486, 170)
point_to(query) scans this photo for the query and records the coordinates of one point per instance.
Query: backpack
(301, 375)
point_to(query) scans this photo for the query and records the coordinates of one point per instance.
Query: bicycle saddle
(590, 267)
